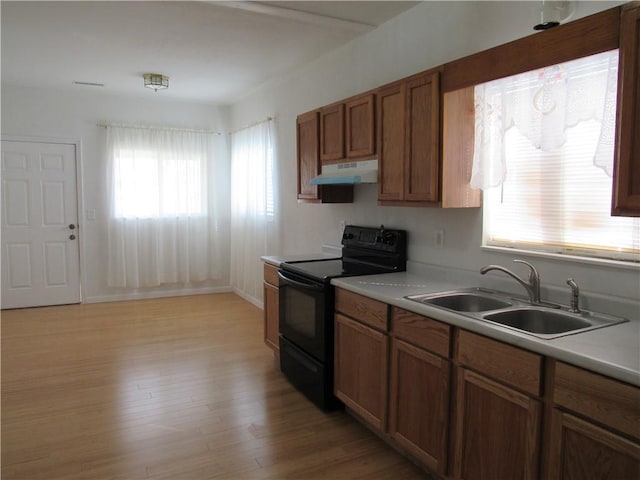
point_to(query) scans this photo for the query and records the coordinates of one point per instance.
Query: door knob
(71, 226)
(72, 237)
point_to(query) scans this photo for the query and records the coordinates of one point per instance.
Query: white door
(40, 254)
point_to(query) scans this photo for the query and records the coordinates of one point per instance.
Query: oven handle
(303, 285)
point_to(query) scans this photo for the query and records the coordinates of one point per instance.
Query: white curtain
(162, 225)
(543, 104)
(253, 204)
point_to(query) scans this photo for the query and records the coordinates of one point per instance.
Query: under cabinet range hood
(351, 173)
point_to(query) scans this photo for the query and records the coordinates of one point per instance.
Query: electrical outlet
(438, 239)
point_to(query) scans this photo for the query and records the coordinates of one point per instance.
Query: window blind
(558, 201)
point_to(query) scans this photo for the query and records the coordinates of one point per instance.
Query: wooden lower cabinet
(466, 406)
(595, 427)
(419, 403)
(271, 312)
(361, 369)
(497, 430)
(271, 300)
(580, 449)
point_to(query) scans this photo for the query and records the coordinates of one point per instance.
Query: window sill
(601, 262)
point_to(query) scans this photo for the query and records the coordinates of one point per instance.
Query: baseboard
(249, 298)
(156, 294)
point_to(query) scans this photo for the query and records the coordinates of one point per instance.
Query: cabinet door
(422, 150)
(308, 155)
(332, 134)
(360, 127)
(271, 313)
(496, 430)
(360, 377)
(419, 403)
(581, 450)
(391, 142)
(626, 184)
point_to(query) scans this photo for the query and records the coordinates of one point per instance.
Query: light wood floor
(174, 388)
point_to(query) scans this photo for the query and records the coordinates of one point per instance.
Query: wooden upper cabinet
(308, 145)
(347, 130)
(332, 133)
(360, 131)
(422, 151)
(308, 155)
(626, 179)
(458, 137)
(391, 141)
(408, 134)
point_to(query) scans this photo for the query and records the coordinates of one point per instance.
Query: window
(163, 224)
(152, 184)
(253, 205)
(158, 173)
(252, 171)
(544, 155)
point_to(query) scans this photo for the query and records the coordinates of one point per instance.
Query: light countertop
(613, 351)
(328, 252)
(276, 260)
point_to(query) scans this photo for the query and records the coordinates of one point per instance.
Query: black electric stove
(307, 302)
(365, 251)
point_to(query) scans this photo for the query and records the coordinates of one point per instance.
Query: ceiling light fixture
(554, 12)
(156, 81)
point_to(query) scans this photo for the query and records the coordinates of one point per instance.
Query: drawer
(271, 275)
(608, 401)
(421, 331)
(508, 364)
(364, 309)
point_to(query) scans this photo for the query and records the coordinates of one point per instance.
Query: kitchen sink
(546, 323)
(474, 300)
(500, 309)
(534, 320)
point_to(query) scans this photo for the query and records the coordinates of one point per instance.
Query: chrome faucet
(575, 296)
(532, 287)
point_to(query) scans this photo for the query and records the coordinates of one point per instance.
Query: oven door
(305, 309)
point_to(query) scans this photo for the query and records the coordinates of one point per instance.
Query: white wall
(73, 116)
(428, 35)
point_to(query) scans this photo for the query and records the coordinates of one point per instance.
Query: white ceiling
(214, 52)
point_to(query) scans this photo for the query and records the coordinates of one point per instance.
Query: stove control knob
(347, 236)
(389, 239)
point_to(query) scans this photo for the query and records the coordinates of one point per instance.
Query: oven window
(300, 312)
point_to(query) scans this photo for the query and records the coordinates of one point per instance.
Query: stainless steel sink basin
(467, 302)
(502, 310)
(538, 321)
(474, 300)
